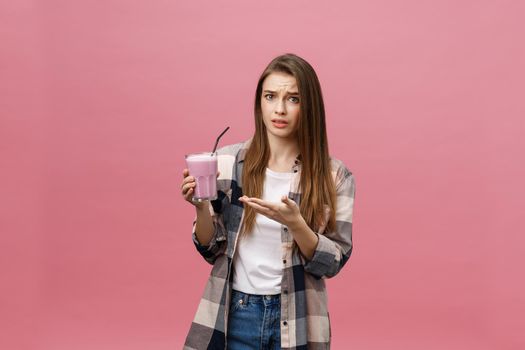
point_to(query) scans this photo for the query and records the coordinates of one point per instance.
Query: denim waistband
(254, 298)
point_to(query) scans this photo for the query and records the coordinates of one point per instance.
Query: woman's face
(280, 105)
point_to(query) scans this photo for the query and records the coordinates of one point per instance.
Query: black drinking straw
(218, 138)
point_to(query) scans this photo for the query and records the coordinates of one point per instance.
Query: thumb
(286, 200)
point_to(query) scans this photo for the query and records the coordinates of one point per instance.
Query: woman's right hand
(188, 187)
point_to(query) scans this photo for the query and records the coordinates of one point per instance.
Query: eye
(268, 96)
(294, 99)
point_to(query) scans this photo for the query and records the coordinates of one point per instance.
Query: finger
(260, 209)
(262, 203)
(187, 187)
(188, 195)
(185, 172)
(288, 201)
(218, 173)
(187, 180)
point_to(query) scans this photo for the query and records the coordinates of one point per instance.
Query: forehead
(279, 81)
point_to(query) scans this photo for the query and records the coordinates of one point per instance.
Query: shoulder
(341, 173)
(227, 157)
(231, 149)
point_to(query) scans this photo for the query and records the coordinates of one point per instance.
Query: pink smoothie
(203, 167)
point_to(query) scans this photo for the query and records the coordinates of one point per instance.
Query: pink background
(100, 100)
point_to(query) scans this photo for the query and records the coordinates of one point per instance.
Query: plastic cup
(203, 167)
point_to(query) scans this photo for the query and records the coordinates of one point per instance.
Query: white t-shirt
(257, 265)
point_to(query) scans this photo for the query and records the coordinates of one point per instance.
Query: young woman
(281, 224)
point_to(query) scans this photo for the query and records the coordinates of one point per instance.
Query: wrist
(297, 224)
(201, 206)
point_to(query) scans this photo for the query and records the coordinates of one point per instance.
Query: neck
(283, 152)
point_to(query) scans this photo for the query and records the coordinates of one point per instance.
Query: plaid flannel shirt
(305, 322)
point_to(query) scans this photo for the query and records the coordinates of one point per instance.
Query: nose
(280, 108)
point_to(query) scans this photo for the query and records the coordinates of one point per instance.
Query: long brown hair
(316, 183)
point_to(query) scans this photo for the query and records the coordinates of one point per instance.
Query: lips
(279, 124)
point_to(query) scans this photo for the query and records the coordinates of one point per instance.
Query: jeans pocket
(237, 303)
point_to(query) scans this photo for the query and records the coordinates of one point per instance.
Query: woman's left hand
(286, 212)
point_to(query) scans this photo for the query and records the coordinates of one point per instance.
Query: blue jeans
(254, 322)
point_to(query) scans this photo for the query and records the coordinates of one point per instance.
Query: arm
(306, 239)
(209, 229)
(203, 228)
(334, 248)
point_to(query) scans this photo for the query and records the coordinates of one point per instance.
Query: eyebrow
(289, 93)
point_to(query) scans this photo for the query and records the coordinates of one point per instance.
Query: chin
(281, 133)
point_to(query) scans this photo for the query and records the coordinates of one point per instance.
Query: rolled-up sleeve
(334, 248)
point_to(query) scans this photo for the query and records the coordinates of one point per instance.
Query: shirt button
(285, 229)
(295, 171)
(284, 261)
(285, 292)
(285, 323)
